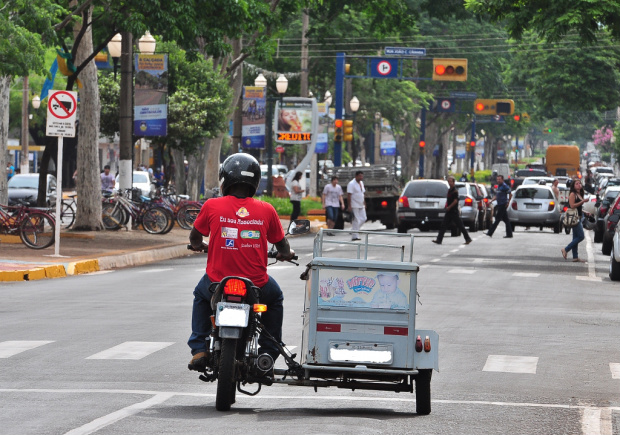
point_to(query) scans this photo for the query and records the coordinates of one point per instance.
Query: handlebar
(274, 254)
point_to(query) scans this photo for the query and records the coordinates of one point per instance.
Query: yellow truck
(563, 160)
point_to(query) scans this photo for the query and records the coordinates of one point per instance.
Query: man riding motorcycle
(240, 229)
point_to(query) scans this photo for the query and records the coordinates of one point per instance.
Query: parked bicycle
(181, 206)
(119, 207)
(67, 212)
(36, 228)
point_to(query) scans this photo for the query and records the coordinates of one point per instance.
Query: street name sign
(61, 114)
(404, 51)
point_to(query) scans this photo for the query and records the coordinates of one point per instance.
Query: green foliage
(109, 96)
(284, 207)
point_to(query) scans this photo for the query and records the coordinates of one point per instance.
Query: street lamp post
(354, 105)
(281, 86)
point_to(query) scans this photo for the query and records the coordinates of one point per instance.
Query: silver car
(534, 206)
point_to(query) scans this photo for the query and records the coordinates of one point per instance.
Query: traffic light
(422, 144)
(517, 118)
(494, 107)
(450, 70)
(338, 130)
(348, 130)
(472, 144)
(546, 130)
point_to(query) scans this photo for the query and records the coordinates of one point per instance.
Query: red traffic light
(472, 144)
(422, 144)
(517, 118)
(479, 107)
(440, 70)
(338, 123)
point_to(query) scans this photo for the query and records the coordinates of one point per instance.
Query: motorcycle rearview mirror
(299, 226)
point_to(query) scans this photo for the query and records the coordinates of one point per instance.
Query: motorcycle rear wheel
(226, 385)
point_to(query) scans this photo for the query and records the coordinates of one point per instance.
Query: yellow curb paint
(12, 275)
(85, 266)
(10, 239)
(56, 271)
(34, 274)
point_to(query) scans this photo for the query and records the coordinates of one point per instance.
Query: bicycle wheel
(37, 230)
(171, 221)
(187, 215)
(112, 216)
(156, 220)
(67, 214)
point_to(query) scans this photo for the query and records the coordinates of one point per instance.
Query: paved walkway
(84, 252)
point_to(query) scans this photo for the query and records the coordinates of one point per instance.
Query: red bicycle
(35, 227)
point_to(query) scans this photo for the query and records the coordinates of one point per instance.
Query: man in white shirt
(332, 203)
(107, 180)
(356, 203)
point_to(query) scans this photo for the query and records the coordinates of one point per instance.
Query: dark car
(609, 227)
(422, 205)
(26, 187)
(602, 207)
(522, 174)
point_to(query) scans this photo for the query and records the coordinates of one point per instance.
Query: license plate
(362, 353)
(532, 206)
(441, 214)
(426, 204)
(229, 314)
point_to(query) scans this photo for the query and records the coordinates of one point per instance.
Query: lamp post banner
(322, 137)
(253, 116)
(150, 115)
(295, 120)
(388, 143)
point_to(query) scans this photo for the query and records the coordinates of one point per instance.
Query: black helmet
(239, 168)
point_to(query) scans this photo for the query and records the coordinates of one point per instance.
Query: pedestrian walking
(556, 189)
(576, 201)
(356, 204)
(452, 216)
(296, 195)
(332, 203)
(503, 196)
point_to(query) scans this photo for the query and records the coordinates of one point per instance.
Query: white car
(142, 180)
(534, 206)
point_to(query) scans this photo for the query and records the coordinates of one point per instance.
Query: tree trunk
(88, 216)
(179, 171)
(195, 172)
(5, 87)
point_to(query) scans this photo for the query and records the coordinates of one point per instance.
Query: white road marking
(615, 370)
(435, 260)
(131, 350)
(329, 249)
(155, 270)
(99, 272)
(591, 261)
(444, 255)
(511, 364)
(202, 269)
(466, 271)
(587, 278)
(128, 411)
(455, 250)
(526, 275)
(596, 421)
(10, 348)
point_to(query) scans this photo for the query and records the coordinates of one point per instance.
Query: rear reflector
(427, 344)
(328, 327)
(395, 330)
(418, 344)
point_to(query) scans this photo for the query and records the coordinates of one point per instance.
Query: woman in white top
(296, 196)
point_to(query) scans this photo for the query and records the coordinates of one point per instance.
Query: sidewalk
(85, 252)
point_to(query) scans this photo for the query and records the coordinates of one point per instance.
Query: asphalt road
(528, 345)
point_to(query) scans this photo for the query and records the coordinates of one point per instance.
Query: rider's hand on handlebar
(289, 257)
(203, 247)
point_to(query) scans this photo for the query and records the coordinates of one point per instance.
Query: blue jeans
(271, 295)
(578, 237)
(332, 213)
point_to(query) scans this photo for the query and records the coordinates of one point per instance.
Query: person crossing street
(503, 196)
(452, 215)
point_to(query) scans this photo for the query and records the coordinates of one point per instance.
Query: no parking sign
(61, 114)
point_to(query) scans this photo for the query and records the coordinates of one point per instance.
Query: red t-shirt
(240, 231)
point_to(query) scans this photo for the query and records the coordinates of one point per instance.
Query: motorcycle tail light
(486, 200)
(260, 308)
(404, 201)
(468, 201)
(514, 205)
(565, 208)
(551, 205)
(235, 287)
(383, 204)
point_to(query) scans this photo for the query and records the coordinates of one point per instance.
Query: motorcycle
(232, 356)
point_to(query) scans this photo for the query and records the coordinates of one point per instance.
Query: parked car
(141, 180)
(602, 207)
(609, 226)
(422, 204)
(472, 205)
(614, 255)
(538, 180)
(534, 206)
(602, 171)
(26, 187)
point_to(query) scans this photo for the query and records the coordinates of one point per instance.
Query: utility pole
(305, 25)
(126, 115)
(24, 165)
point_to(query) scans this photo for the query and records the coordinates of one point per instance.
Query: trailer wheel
(423, 392)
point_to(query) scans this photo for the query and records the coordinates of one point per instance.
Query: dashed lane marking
(511, 364)
(455, 250)
(155, 270)
(11, 348)
(526, 275)
(615, 370)
(464, 271)
(444, 255)
(131, 350)
(435, 260)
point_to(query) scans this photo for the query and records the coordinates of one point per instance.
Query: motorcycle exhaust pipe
(264, 362)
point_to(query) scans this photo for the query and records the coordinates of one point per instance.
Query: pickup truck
(382, 186)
